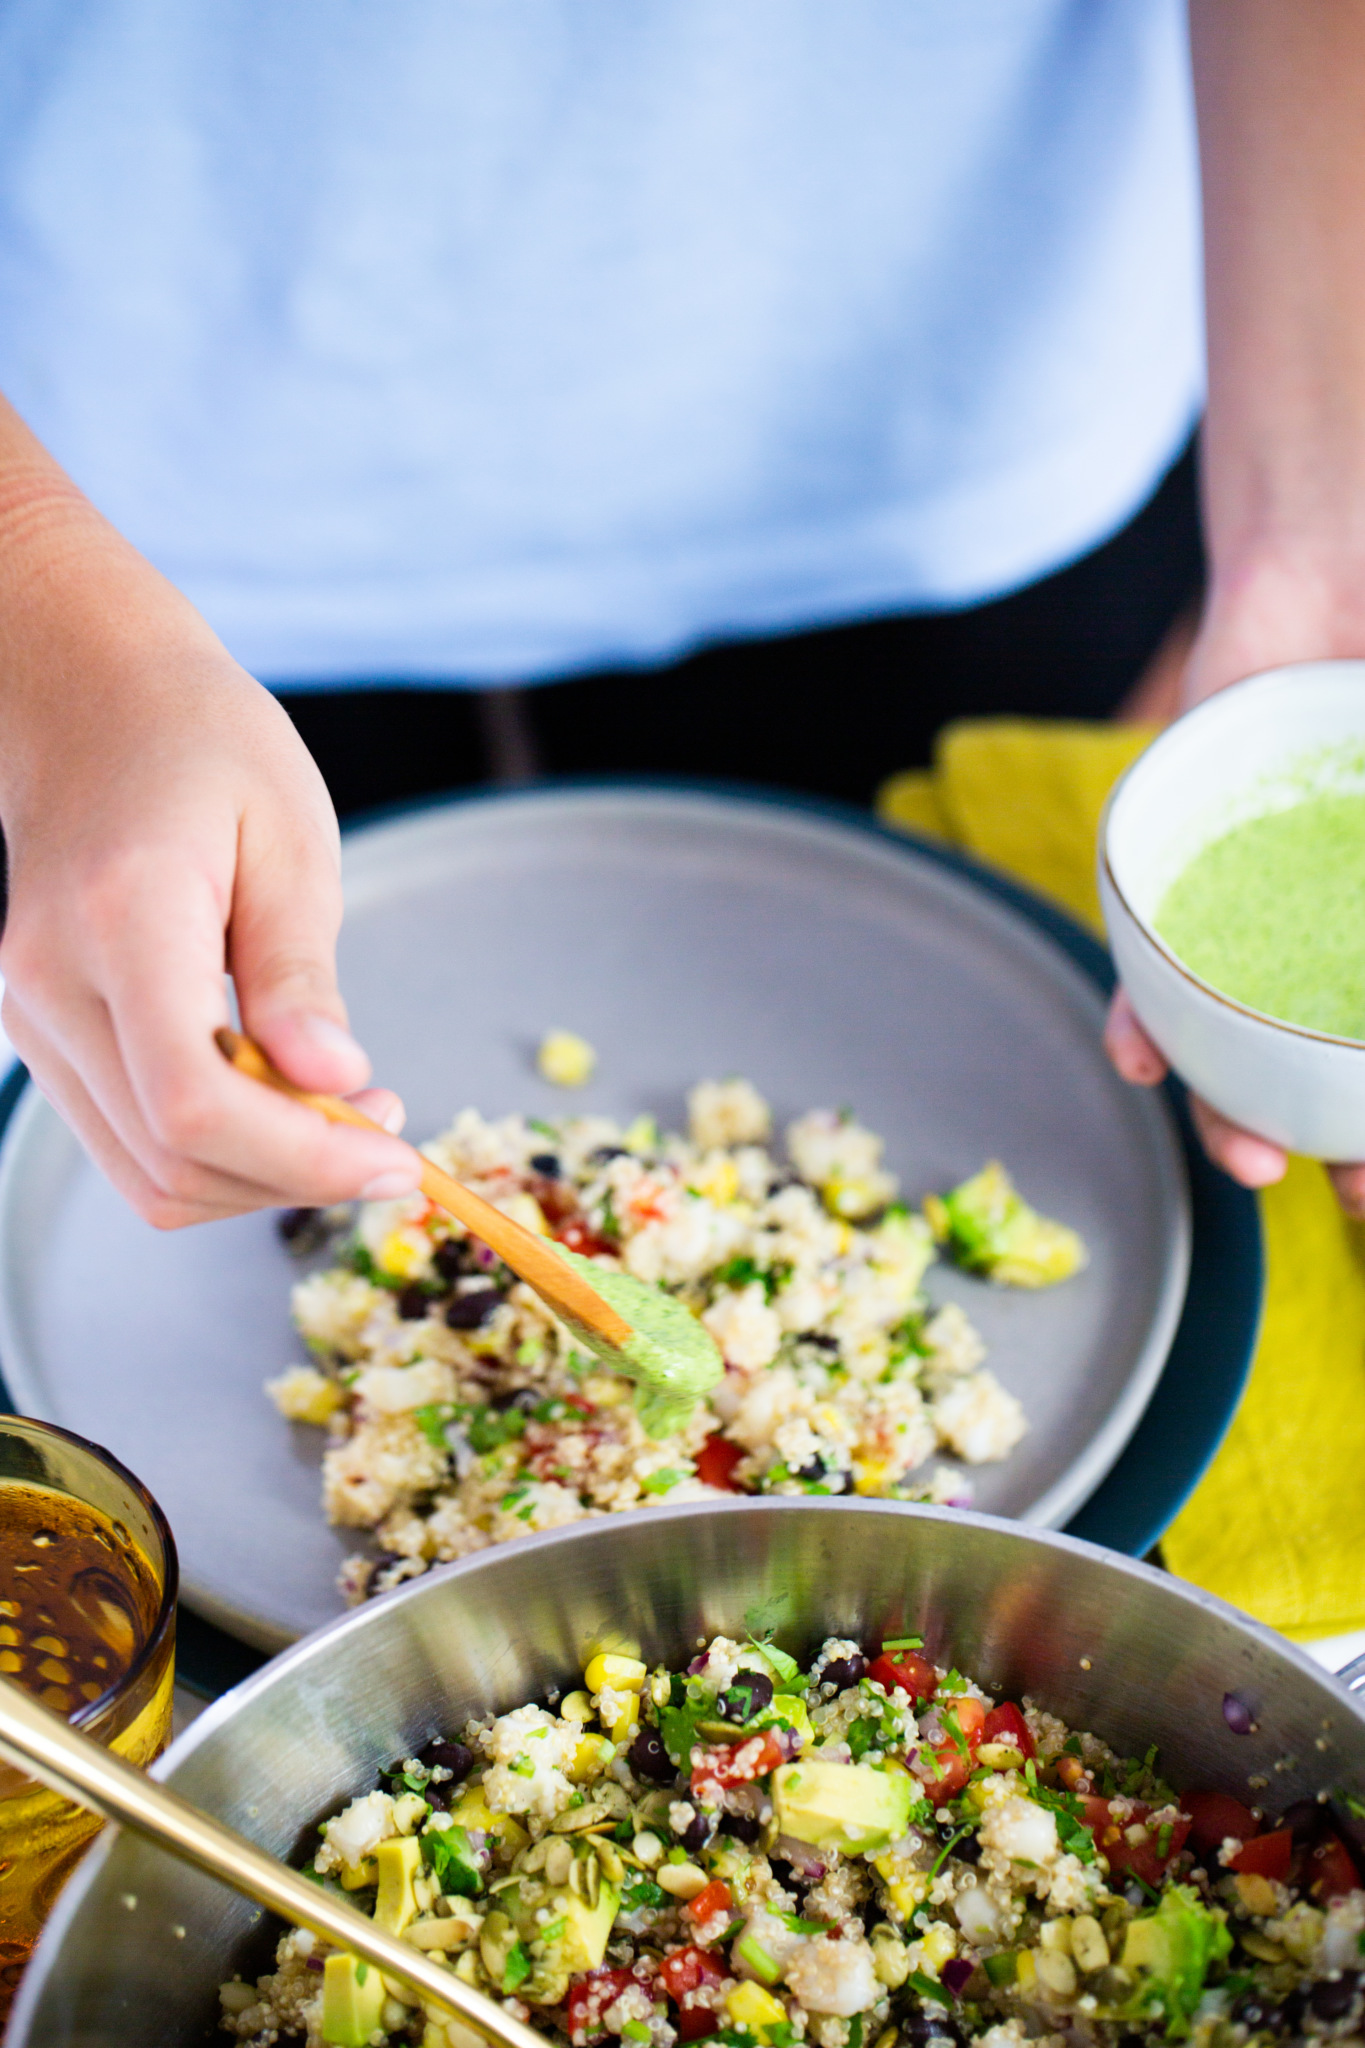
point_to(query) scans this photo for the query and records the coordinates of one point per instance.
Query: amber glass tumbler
(88, 1580)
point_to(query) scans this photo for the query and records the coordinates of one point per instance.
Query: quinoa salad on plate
(460, 1413)
(870, 1852)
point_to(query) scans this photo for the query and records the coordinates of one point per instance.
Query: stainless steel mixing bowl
(138, 1944)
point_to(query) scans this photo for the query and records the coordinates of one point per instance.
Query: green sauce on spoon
(671, 1357)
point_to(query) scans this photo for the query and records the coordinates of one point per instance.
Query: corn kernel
(749, 2005)
(606, 1390)
(718, 1181)
(906, 1888)
(303, 1394)
(1088, 1944)
(622, 1674)
(355, 1876)
(1256, 1893)
(622, 1722)
(402, 1255)
(592, 1754)
(575, 1706)
(1056, 1935)
(937, 1946)
(566, 1059)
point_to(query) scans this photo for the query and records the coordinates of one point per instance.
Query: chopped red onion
(801, 1856)
(1237, 1714)
(956, 1974)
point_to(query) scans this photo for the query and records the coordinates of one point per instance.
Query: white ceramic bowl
(1254, 748)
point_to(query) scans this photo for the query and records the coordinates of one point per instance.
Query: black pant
(831, 712)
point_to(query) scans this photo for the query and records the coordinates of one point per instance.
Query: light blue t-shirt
(469, 340)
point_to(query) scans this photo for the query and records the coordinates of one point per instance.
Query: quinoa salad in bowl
(868, 1852)
(460, 1413)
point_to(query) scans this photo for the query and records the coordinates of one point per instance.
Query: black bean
(447, 1756)
(1333, 1999)
(523, 1399)
(696, 1834)
(844, 1671)
(293, 1224)
(930, 2023)
(413, 1302)
(1287, 2017)
(467, 1311)
(745, 1827)
(546, 1163)
(751, 1692)
(821, 1341)
(649, 1759)
(842, 1482)
(814, 1468)
(449, 1257)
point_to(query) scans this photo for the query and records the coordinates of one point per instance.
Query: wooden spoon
(36, 1740)
(530, 1257)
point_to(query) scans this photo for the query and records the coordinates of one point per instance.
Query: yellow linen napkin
(1277, 1526)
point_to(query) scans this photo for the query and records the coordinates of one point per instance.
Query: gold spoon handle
(37, 1741)
(529, 1256)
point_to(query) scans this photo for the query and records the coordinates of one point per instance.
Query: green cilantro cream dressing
(671, 1357)
(1273, 914)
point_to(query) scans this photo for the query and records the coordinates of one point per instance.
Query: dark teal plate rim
(1210, 1356)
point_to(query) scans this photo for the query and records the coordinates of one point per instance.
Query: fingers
(1349, 1183)
(73, 1102)
(1128, 1046)
(1252, 1161)
(189, 1113)
(286, 912)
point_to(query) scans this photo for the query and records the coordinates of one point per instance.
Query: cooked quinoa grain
(460, 1412)
(869, 1851)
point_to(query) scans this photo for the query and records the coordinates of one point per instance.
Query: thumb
(286, 912)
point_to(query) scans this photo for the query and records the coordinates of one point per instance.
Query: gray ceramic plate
(685, 934)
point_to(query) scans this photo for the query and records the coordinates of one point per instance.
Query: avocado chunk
(352, 2001)
(842, 1806)
(586, 1928)
(397, 1862)
(577, 1932)
(989, 1228)
(1170, 1951)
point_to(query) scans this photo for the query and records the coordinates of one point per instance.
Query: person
(475, 346)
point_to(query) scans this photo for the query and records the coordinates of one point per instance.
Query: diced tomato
(1006, 1723)
(710, 1903)
(1266, 1856)
(687, 1970)
(1139, 1859)
(716, 1461)
(578, 1235)
(1332, 1870)
(915, 1675)
(953, 1768)
(736, 1763)
(589, 1997)
(1214, 1816)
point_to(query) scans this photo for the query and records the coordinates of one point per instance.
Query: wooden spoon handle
(530, 1257)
